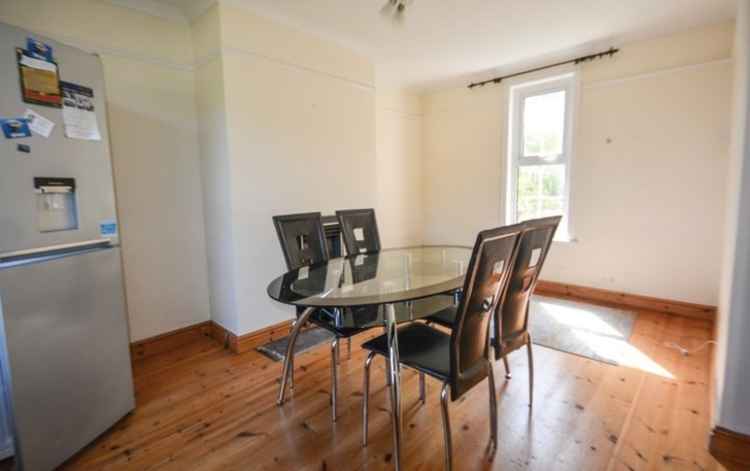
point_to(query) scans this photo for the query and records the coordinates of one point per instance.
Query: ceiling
(440, 42)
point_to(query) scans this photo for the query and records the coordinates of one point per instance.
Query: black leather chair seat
(353, 320)
(324, 320)
(420, 347)
(445, 317)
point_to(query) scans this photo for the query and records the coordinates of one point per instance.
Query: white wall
(732, 365)
(210, 100)
(300, 136)
(398, 176)
(645, 206)
(150, 97)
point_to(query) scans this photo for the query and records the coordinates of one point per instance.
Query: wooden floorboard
(201, 407)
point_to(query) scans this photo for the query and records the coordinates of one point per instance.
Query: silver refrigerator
(64, 351)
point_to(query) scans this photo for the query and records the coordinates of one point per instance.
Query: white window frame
(569, 83)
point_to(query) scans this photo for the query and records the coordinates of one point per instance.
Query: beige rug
(596, 332)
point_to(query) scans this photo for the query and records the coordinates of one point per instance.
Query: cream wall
(242, 116)
(150, 98)
(279, 110)
(463, 169)
(300, 136)
(398, 163)
(650, 163)
(732, 364)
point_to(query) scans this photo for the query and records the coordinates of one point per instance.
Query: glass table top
(390, 276)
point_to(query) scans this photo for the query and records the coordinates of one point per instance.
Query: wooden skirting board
(732, 449)
(169, 340)
(635, 301)
(243, 343)
(181, 337)
(249, 341)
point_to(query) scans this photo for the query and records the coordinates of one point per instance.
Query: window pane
(553, 180)
(541, 191)
(544, 124)
(528, 182)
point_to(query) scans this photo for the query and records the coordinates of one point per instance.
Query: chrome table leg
(446, 426)
(422, 389)
(288, 359)
(366, 398)
(334, 376)
(395, 381)
(387, 363)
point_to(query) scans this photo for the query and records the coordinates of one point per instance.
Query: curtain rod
(609, 52)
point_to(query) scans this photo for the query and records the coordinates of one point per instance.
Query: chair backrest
(486, 279)
(512, 316)
(302, 239)
(359, 230)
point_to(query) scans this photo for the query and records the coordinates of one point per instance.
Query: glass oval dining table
(383, 279)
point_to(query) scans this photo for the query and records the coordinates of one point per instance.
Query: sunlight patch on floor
(605, 337)
(623, 353)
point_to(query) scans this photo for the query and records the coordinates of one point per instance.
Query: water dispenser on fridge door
(56, 205)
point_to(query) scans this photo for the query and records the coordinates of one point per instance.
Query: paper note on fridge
(38, 64)
(79, 113)
(38, 123)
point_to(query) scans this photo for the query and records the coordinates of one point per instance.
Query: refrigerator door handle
(54, 250)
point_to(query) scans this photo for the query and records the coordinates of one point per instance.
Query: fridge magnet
(40, 81)
(39, 49)
(79, 112)
(25, 148)
(15, 128)
(38, 123)
(108, 228)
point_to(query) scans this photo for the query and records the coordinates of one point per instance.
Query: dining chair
(511, 321)
(303, 243)
(512, 317)
(359, 229)
(460, 359)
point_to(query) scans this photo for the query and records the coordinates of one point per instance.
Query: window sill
(565, 240)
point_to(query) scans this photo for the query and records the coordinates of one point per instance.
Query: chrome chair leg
(422, 389)
(291, 372)
(286, 369)
(507, 367)
(493, 405)
(291, 363)
(334, 377)
(446, 427)
(366, 398)
(531, 372)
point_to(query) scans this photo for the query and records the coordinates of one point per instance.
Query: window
(541, 124)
